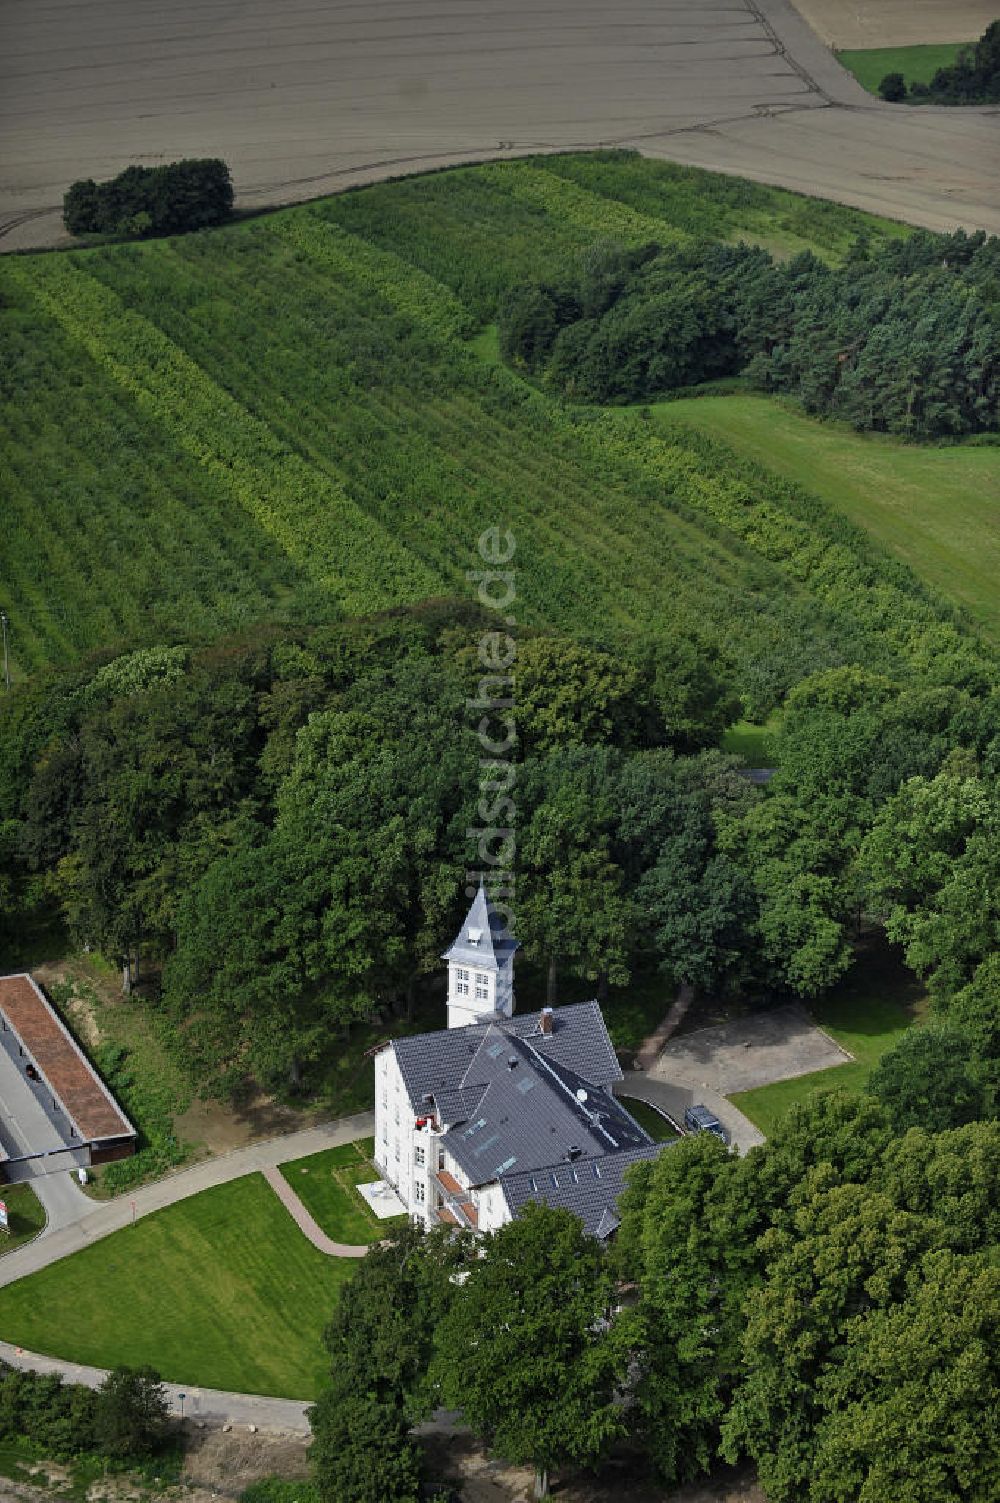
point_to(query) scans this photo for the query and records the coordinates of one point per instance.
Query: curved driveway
(311, 95)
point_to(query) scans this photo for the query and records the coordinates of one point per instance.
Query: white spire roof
(483, 939)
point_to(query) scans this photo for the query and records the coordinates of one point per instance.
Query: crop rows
(288, 413)
(308, 513)
(378, 272)
(477, 443)
(106, 539)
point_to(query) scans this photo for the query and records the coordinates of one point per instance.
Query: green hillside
(286, 419)
(938, 509)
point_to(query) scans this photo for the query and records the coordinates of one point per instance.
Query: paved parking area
(752, 1051)
(27, 1122)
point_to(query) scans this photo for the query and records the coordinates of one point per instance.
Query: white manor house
(497, 1109)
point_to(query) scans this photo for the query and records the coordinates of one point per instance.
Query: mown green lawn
(326, 1185)
(219, 1291)
(917, 64)
(866, 1015)
(25, 1216)
(938, 509)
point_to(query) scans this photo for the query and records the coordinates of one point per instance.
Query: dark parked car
(700, 1119)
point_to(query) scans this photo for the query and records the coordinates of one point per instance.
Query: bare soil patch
(302, 99)
(214, 1127)
(481, 1479)
(897, 23)
(221, 1464)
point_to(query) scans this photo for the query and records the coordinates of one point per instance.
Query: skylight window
(481, 1148)
(496, 1049)
(526, 1083)
(507, 1164)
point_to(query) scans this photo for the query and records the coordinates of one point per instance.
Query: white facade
(472, 991)
(411, 1152)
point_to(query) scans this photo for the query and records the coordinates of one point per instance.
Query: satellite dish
(581, 1095)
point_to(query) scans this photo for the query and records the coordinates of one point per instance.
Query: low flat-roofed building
(55, 1110)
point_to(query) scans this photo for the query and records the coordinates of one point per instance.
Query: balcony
(458, 1208)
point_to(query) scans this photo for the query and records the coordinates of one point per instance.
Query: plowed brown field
(310, 95)
(897, 23)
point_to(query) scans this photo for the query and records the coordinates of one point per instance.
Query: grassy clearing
(659, 1129)
(134, 1052)
(326, 1183)
(25, 1216)
(917, 64)
(756, 744)
(221, 1290)
(865, 1014)
(938, 509)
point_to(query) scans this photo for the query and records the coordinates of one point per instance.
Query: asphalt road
(305, 97)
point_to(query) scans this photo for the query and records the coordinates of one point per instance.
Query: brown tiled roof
(60, 1061)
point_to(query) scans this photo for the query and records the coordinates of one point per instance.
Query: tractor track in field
(302, 101)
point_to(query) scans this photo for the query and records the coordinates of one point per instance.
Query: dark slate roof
(533, 1112)
(483, 939)
(589, 1187)
(457, 1106)
(438, 1062)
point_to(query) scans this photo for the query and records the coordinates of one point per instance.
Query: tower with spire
(481, 966)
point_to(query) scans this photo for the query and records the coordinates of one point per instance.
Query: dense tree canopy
(903, 340)
(165, 200)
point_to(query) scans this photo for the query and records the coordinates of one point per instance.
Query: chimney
(546, 1020)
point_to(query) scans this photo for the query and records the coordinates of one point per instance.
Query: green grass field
(647, 1116)
(917, 64)
(754, 743)
(866, 1014)
(25, 1216)
(221, 1290)
(937, 509)
(326, 1184)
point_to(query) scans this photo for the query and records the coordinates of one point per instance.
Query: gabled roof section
(483, 939)
(433, 1062)
(532, 1112)
(590, 1188)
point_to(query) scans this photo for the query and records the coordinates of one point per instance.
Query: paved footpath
(305, 1223)
(98, 1219)
(652, 1046)
(207, 1404)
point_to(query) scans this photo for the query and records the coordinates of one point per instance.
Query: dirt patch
(482, 1479)
(213, 1127)
(222, 1464)
(896, 23)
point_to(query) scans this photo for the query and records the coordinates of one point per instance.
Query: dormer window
(475, 935)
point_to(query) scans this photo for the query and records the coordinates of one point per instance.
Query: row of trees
(905, 339)
(187, 195)
(828, 1306)
(124, 1419)
(285, 824)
